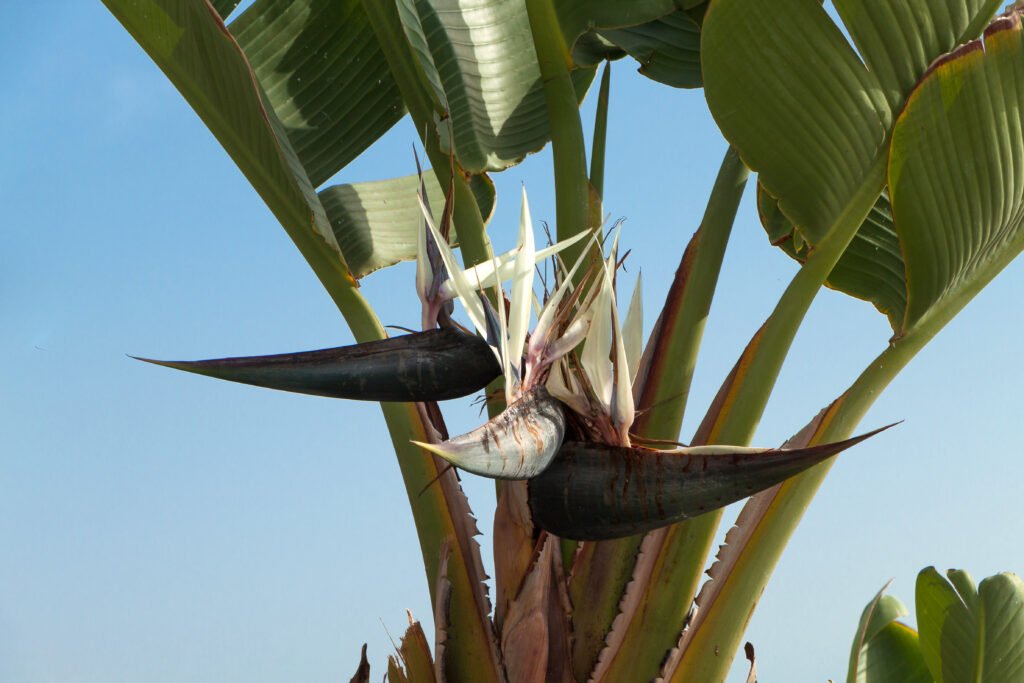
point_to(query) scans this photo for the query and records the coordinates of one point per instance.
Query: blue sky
(162, 527)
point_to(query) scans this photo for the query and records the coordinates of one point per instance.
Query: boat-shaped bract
(596, 492)
(435, 365)
(519, 443)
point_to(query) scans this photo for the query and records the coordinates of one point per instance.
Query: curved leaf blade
(224, 7)
(898, 40)
(378, 223)
(1002, 601)
(190, 44)
(885, 650)
(667, 48)
(871, 268)
(956, 173)
(324, 76)
(814, 147)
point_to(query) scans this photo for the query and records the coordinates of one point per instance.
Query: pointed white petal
(485, 272)
(595, 357)
(622, 409)
(574, 334)
(522, 286)
(633, 329)
(568, 391)
(504, 358)
(539, 338)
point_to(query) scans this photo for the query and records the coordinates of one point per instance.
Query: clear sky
(161, 527)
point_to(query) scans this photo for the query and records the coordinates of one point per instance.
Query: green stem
(606, 568)
(686, 310)
(572, 186)
(772, 530)
(724, 621)
(742, 400)
(762, 360)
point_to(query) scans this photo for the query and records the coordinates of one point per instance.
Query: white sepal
(565, 387)
(633, 330)
(546, 319)
(507, 368)
(506, 265)
(622, 409)
(522, 287)
(597, 348)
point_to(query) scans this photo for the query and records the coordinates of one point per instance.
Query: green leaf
(480, 64)
(660, 571)
(822, 150)
(324, 75)
(189, 43)
(576, 17)
(954, 173)
(871, 268)
(377, 223)
(224, 7)
(814, 147)
(898, 40)
(667, 48)
(1002, 600)
(884, 650)
(948, 622)
(970, 634)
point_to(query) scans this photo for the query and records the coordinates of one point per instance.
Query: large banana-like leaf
(968, 633)
(884, 649)
(795, 98)
(224, 7)
(377, 223)
(871, 268)
(480, 63)
(668, 48)
(816, 146)
(324, 76)
(190, 44)
(481, 67)
(928, 162)
(955, 173)
(897, 42)
(964, 114)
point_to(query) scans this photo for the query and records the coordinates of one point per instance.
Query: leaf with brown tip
(414, 652)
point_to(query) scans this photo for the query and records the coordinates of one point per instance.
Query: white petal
(595, 357)
(633, 330)
(485, 271)
(522, 286)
